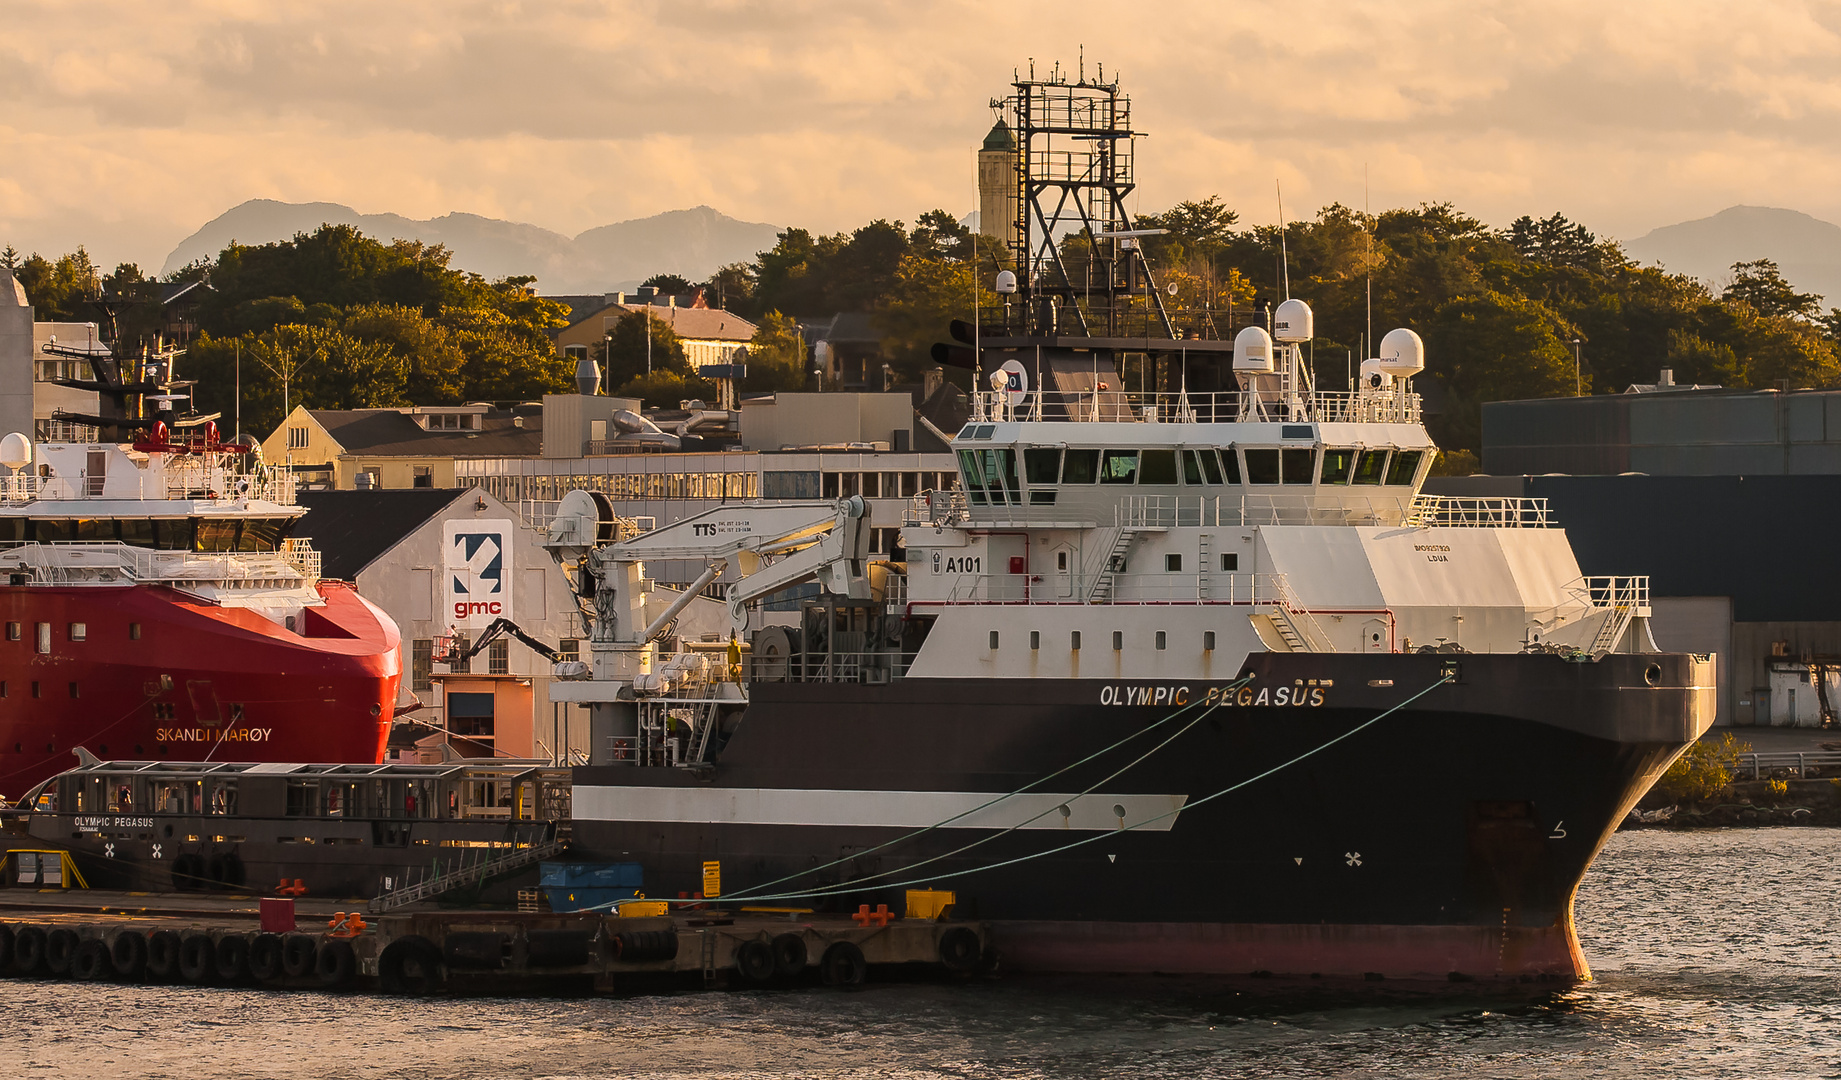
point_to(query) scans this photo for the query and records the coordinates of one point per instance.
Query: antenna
(1284, 256)
(1368, 228)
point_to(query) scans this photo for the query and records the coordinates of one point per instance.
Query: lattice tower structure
(1075, 167)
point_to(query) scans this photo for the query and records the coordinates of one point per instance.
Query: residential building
(414, 447)
(50, 398)
(709, 335)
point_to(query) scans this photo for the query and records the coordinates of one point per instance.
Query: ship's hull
(159, 674)
(1445, 838)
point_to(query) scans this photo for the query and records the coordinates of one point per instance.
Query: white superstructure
(194, 520)
(1101, 534)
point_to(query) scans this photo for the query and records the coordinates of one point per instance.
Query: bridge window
(1201, 467)
(1157, 467)
(1230, 465)
(172, 534)
(1119, 467)
(1300, 466)
(263, 534)
(1371, 467)
(1080, 467)
(1262, 466)
(1337, 462)
(216, 535)
(990, 476)
(54, 530)
(1042, 465)
(1405, 467)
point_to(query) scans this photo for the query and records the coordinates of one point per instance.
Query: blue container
(576, 886)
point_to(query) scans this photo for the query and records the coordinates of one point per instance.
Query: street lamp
(1578, 385)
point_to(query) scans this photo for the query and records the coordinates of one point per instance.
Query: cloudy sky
(125, 125)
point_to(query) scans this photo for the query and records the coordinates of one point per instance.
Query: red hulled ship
(153, 604)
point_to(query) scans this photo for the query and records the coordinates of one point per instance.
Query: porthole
(1653, 674)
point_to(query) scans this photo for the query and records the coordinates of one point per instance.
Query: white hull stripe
(889, 809)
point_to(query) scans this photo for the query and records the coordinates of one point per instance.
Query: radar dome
(1293, 321)
(15, 451)
(1402, 354)
(1253, 350)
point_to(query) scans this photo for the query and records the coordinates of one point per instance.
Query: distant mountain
(692, 243)
(1806, 249)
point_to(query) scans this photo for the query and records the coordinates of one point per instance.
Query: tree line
(335, 319)
(1499, 309)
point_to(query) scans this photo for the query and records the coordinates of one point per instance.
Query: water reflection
(1716, 955)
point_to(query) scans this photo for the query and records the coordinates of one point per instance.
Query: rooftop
(694, 323)
(351, 529)
(1001, 138)
(395, 433)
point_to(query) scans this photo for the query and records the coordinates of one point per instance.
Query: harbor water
(1716, 955)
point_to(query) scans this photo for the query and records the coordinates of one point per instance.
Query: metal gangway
(443, 877)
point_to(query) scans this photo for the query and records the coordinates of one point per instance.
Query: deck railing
(79, 562)
(1396, 406)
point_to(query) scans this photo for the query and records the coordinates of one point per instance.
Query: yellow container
(929, 903)
(643, 908)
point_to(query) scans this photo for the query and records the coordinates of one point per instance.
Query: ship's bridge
(1046, 460)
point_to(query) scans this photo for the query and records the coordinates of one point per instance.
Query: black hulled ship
(1190, 679)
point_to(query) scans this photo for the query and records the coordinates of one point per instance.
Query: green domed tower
(997, 183)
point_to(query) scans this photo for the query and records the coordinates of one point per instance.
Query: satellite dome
(15, 451)
(1402, 354)
(1253, 350)
(1293, 321)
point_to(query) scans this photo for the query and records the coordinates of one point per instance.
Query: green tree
(624, 356)
(504, 362)
(671, 284)
(732, 289)
(1495, 347)
(60, 291)
(436, 365)
(667, 389)
(1760, 286)
(776, 355)
(1704, 770)
(938, 235)
(324, 369)
(927, 295)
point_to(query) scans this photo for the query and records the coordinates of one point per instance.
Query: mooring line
(1443, 679)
